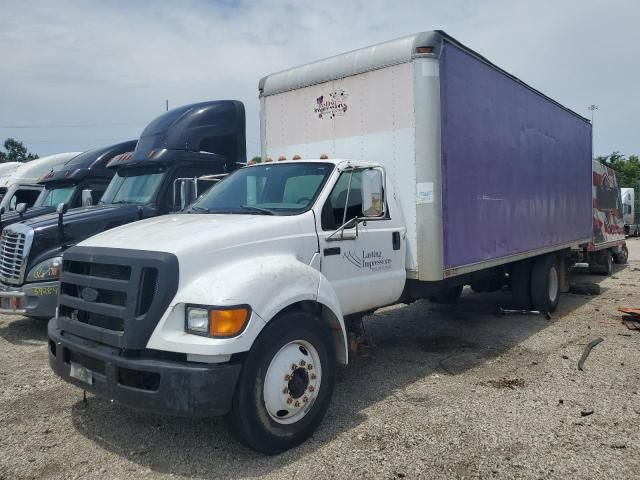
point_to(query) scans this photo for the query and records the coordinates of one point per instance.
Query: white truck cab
(315, 240)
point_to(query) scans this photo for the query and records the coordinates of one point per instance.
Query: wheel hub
(292, 382)
(299, 382)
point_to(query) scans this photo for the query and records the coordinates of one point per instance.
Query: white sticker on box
(424, 192)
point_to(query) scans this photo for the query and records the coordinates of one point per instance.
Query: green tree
(15, 152)
(256, 160)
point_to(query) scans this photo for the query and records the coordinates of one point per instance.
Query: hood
(81, 214)
(201, 233)
(79, 223)
(14, 217)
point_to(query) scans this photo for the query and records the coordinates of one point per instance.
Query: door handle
(395, 238)
(331, 251)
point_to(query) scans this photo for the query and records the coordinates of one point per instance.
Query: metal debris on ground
(587, 351)
(510, 311)
(631, 323)
(631, 319)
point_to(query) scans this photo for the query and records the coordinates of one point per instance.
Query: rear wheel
(545, 284)
(286, 384)
(622, 256)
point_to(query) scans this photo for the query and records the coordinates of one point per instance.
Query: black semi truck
(87, 171)
(189, 142)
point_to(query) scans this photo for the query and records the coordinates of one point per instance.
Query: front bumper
(33, 299)
(159, 386)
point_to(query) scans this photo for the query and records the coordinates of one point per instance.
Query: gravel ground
(446, 392)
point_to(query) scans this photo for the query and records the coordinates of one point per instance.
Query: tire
(263, 418)
(622, 257)
(449, 296)
(607, 265)
(545, 284)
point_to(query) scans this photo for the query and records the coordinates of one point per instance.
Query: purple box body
(516, 167)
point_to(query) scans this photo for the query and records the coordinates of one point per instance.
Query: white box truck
(631, 218)
(242, 304)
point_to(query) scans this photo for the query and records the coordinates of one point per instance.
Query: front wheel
(286, 384)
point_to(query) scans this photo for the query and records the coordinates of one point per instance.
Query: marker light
(296, 157)
(282, 158)
(424, 50)
(324, 156)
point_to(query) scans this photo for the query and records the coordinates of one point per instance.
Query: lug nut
(287, 378)
(289, 400)
(305, 399)
(313, 376)
(302, 363)
(293, 367)
(311, 388)
(309, 367)
(297, 404)
(285, 390)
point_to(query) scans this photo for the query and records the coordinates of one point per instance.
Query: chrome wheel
(292, 382)
(553, 284)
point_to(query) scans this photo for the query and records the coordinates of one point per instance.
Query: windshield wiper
(261, 211)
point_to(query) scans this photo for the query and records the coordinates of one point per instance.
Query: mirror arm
(341, 228)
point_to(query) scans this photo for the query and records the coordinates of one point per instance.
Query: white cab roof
(31, 172)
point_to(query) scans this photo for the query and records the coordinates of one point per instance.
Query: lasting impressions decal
(332, 105)
(373, 260)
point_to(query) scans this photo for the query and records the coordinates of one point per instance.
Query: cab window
(27, 196)
(333, 211)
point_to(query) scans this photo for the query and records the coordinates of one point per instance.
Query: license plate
(81, 373)
(44, 291)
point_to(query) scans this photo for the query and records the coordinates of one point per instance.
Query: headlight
(47, 270)
(218, 322)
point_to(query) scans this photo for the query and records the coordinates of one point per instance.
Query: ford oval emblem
(89, 294)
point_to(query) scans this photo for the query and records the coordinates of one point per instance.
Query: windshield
(269, 189)
(137, 187)
(51, 197)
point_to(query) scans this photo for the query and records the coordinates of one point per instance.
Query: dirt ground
(447, 392)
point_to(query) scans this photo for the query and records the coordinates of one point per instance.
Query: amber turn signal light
(227, 323)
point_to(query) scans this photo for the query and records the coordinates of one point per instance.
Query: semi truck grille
(15, 243)
(115, 296)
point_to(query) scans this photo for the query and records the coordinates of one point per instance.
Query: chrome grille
(15, 243)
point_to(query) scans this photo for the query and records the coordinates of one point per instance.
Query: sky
(75, 75)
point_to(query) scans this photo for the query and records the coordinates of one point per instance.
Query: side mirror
(21, 208)
(187, 192)
(61, 209)
(87, 197)
(372, 193)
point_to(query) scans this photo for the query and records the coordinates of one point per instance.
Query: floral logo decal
(332, 105)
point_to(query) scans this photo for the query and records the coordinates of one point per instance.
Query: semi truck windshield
(269, 189)
(134, 189)
(51, 197)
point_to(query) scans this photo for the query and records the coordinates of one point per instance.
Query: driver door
(366, 267)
